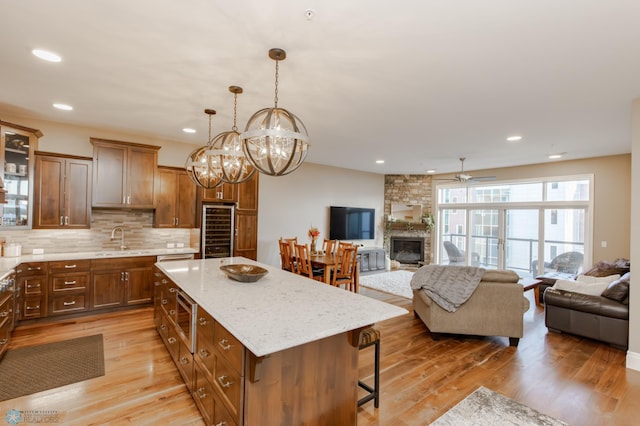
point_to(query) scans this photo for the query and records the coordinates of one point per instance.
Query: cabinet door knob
(201, 393)
(224, 381)
(224, 344)
(171, 340)
(203, 353)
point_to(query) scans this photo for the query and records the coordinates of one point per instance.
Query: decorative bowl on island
(243, 272)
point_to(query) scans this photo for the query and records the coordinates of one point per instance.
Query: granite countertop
(8, 263)
(278, 312)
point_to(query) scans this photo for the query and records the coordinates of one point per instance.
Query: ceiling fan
(464, 177)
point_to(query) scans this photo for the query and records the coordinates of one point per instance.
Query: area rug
(32, 369)
(394, 282)
(486, 407)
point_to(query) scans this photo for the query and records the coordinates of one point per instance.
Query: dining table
(329, 261)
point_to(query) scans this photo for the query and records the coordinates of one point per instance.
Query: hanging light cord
(277, 72)
(209, 142)
(235, 112)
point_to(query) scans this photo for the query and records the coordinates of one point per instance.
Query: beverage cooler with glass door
(217, 231)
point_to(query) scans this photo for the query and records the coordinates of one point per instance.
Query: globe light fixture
(227, 146)
(275, 141)
(202, 167)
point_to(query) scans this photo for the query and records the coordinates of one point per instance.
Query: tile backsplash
(139, 234)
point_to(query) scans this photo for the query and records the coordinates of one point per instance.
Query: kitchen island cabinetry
(7, 315)
(124, 174)
(69, 286)
(62, 194)
(176, 199)
(119, 282)
(31, 280)
(266, 351)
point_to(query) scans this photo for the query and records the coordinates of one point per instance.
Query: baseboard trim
(633, 360)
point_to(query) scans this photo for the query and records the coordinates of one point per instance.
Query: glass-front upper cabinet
(18, 144)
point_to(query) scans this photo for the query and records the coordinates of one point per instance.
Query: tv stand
(371, 260)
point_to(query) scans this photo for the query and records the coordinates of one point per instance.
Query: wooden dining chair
(286, 256)
(345, 271)
(303, 263)
(329, 246)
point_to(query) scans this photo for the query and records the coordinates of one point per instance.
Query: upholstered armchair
(496, 308)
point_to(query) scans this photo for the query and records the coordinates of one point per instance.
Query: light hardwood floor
(576, 380)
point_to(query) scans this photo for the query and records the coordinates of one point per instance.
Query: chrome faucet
(113, 236)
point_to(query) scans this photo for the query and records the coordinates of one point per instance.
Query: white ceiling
(418, 83)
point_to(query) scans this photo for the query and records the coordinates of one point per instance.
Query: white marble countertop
(278, 312)
(8, 263)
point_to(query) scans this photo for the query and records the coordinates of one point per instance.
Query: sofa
(496, 308)
(603, 317)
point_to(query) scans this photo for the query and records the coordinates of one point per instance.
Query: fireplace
(407, 249)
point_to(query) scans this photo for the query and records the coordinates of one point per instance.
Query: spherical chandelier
(202, 167)
(275, 141)
(227, 146)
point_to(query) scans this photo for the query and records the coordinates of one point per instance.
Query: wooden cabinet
(175, 199)
(17, 145)
(7, 294)
(121, 281)
(225, 193)
(371, 260)
(62, 193)
(124, 174)
(31, 279)
(69, 286)
(246, 219)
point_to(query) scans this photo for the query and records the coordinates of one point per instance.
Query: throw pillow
(589, 288)
(604, 268)
(590, 279)
(619, 289)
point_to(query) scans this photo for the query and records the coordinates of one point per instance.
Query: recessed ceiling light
(431, 171)
(555, 156)
(63, 107)
(46, 55)
(514, 138)
(189, 130)
(379, 161)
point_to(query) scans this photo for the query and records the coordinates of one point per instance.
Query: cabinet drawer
(204, 327)
(33, 286)
(205, 352)
(70, 282)
(32, 307)
(185, 365)
(227, 382)
(68, 303)
(6, 312)
(203, 394)
(220, 414)
(28, 269)
(64, 266)
(230, 348)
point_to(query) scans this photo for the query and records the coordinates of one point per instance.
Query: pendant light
(275, 141)
(202, 167)
(227, 146)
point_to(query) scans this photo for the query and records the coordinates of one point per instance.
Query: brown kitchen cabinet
(120, 281)
(7, 314)
(69, 286)
(62, 193)
(31, 280)
(225, 193)
(246, 219)
(124, 174)
(175, 199)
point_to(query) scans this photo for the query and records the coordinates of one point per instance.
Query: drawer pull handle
(70, 282)
(201, 393)
(33, 285)
(4, 314)
(224, 344)
(203, 321)
(36, 268)
(171, 340)
(164, 281)
(173, 290)
(224, 381)
(184, 360)
(163, 327)
(70, 266)
(165, 301)
(4, 341)
(69, 303)
(222, 423)
(172, 312)
(29, 308)
(203, 353)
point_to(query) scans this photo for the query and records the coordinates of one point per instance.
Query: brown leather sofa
(604, 317)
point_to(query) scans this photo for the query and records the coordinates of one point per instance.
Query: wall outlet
(171, 245)
(180, 245)
(38, 251)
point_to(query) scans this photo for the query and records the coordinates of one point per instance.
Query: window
(521, 225)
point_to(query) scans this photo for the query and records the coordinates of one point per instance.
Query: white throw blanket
(449, 286)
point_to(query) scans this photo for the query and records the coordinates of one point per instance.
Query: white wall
(633, 355)
(290, 205)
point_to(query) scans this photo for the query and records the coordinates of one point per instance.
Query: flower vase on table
(313, 233)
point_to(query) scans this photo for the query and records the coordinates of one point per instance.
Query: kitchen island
(297, 338)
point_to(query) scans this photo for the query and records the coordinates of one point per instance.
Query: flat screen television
(351, 223)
